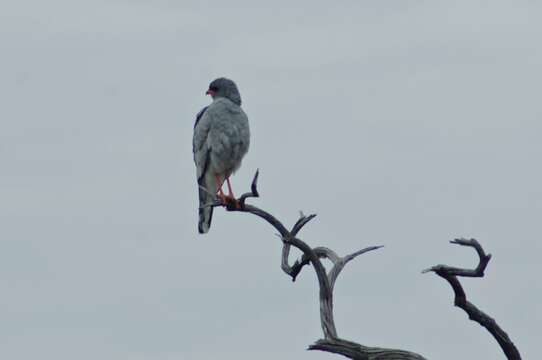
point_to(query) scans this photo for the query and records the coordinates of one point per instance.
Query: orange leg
(231, 196)
(229, 188)
(219, 191)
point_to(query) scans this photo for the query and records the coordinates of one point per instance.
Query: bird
(221, 140)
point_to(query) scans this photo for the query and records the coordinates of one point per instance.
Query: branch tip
(302, 221)
(254, 185)
(253, 191)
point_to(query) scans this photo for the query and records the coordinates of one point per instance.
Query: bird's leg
(219, 191)
(230, 192)
(231, 196)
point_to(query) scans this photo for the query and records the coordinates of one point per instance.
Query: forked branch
(450, 274)
(326, 280)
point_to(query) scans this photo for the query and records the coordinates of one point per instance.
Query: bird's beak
(210, 92)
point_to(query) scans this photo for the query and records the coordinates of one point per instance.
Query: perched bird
(221, 140)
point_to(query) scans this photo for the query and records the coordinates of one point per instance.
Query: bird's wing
(202, 158)
(221, 138)
(229, 136)
(200, 147)
(199, 115)
(211, 137)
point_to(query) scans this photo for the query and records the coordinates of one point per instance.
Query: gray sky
(400, 123)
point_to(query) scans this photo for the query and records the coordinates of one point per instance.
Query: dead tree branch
(450, 274)
(326, 280)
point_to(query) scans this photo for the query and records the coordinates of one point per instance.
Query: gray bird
(221, 140)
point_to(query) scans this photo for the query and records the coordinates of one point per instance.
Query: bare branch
(303, 220)
(450, 274)
(326, 298)
(356, 351)
(362, 251)
(284, 264)
(321, 252)
(477, 272)
(253, 190)
(294, 271)
(341, 263)
(331, 342)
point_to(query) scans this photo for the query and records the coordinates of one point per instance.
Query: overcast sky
(402, 123)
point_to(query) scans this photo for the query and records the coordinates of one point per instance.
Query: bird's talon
(223, 199)
(231, 203)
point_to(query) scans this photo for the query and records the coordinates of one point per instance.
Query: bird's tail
(205, 211)
(207, 196)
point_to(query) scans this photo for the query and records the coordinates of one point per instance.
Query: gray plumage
(221, 140)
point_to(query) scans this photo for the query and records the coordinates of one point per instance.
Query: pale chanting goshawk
(221, 140)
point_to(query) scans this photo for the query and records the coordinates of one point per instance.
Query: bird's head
(225, 88)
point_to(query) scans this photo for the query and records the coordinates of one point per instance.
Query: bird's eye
(213, 88)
